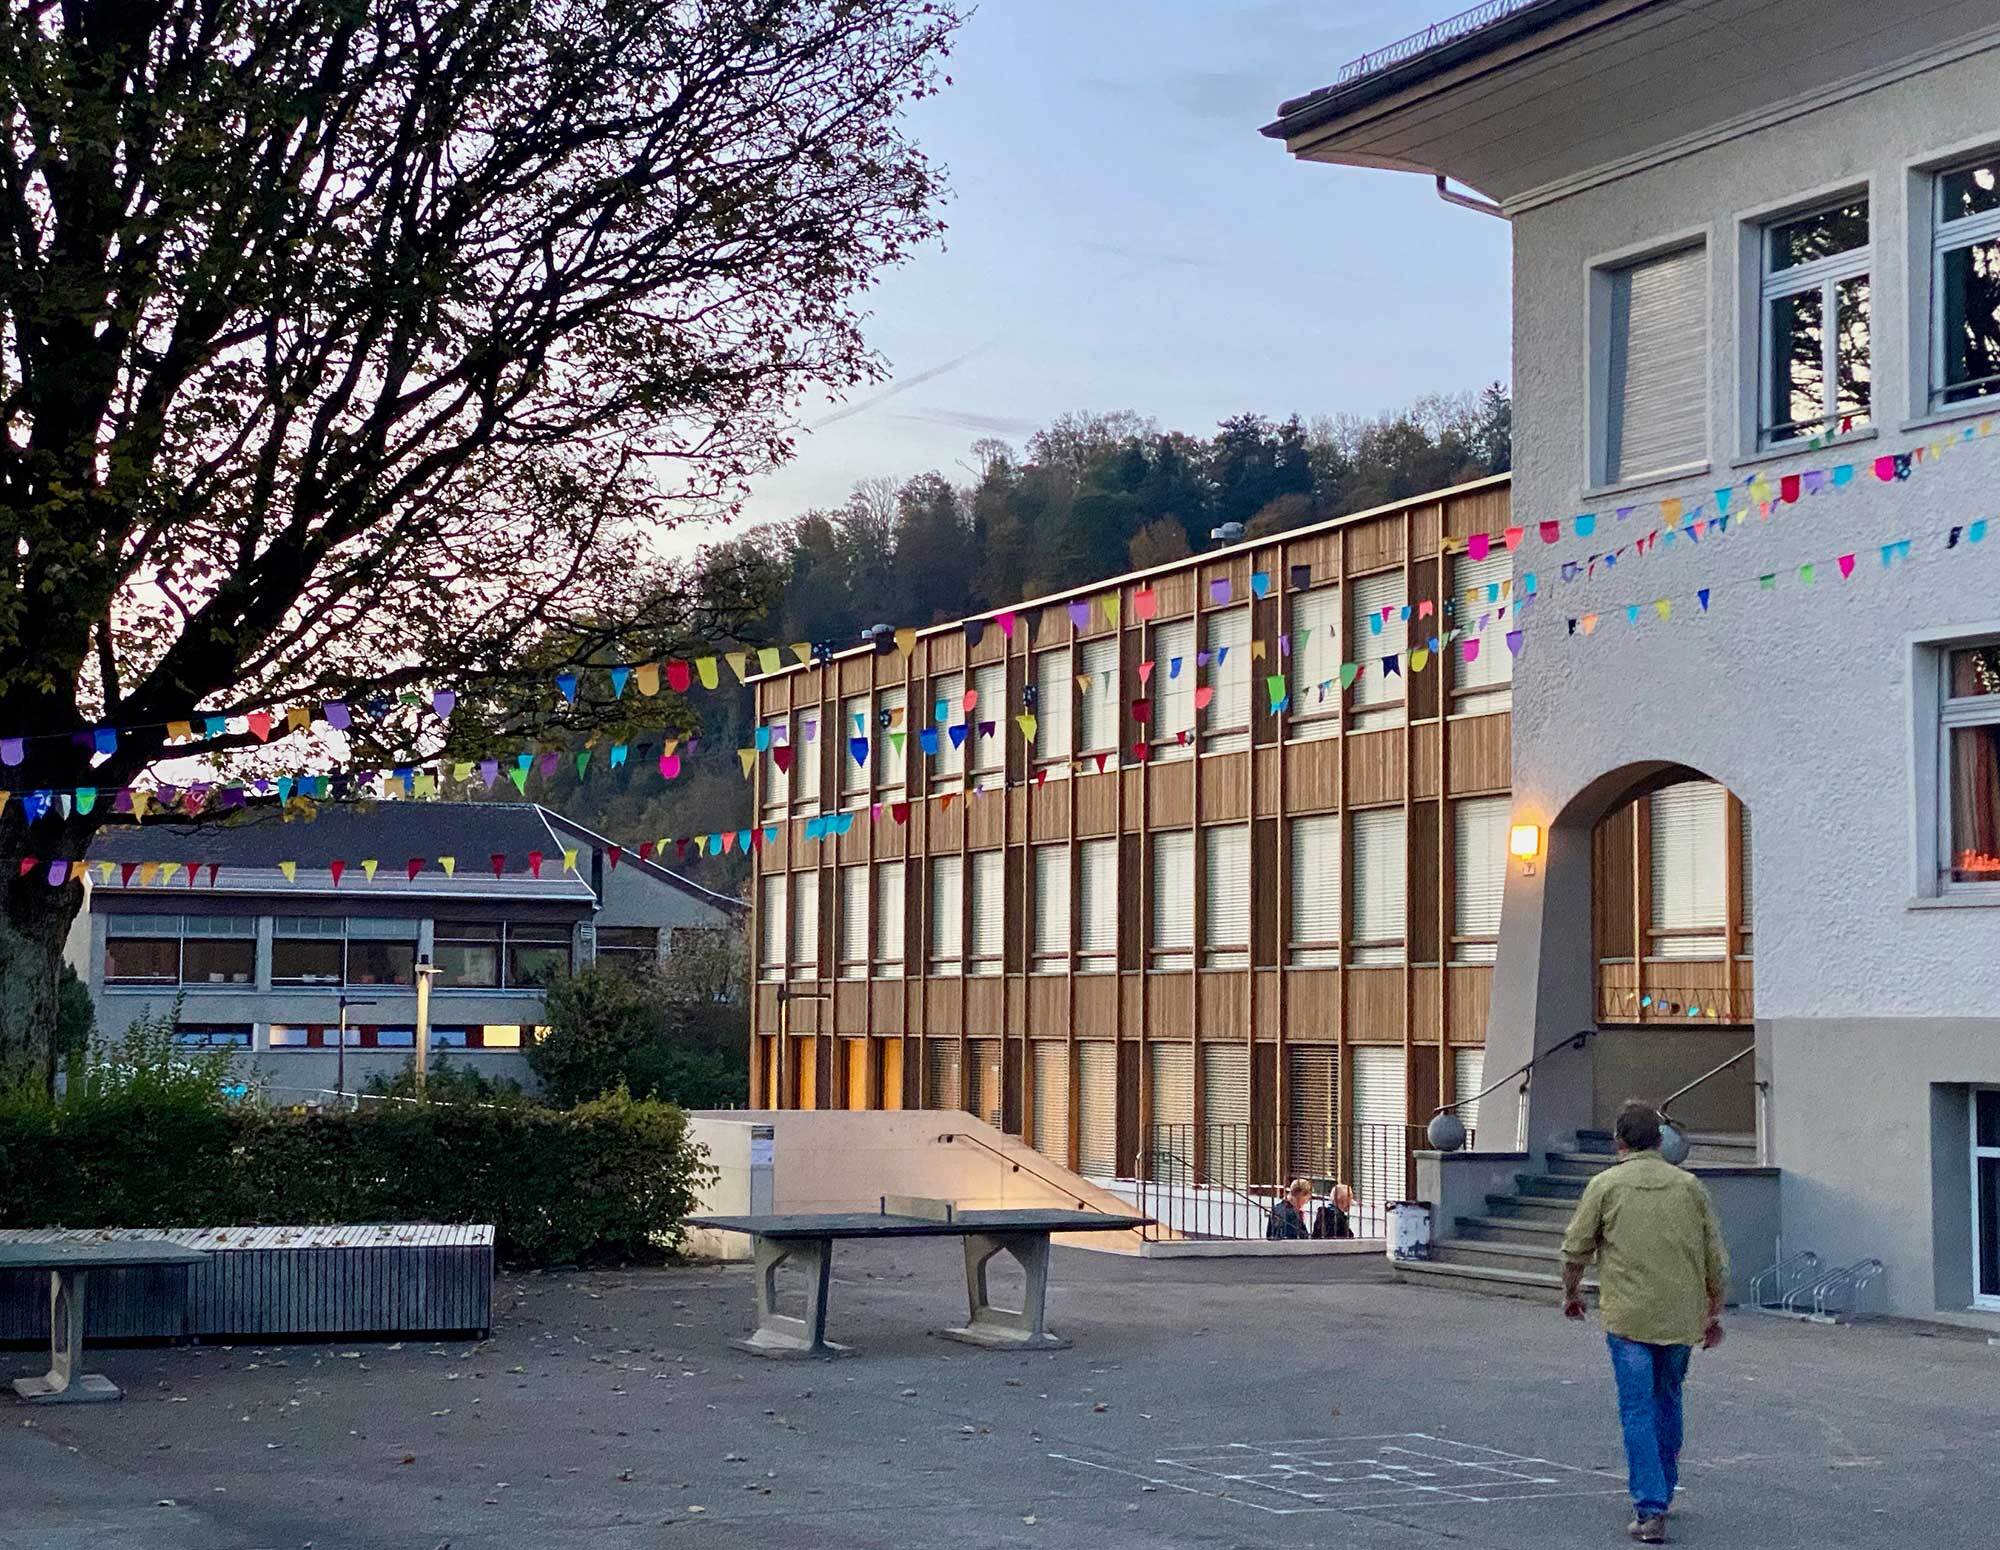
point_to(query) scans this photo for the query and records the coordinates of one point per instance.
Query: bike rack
(1770, 1286)
(1837, 1296)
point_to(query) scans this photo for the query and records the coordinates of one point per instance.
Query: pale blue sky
(1123, 238)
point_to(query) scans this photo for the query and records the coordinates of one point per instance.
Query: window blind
(945, 711)
(947, 905)
(854, 723)
(1656, 381)
(941, 1073)
(1479, 875)
(1315, 631)
(1689, 870)
(1743, 873)
(989, 755)
(1098, 706)
(1469, 1073)
(1053, 693)
(1097, 1109)
(805, 921)
(777, 782)
(1315, 892)
(854, 922)
(989, 910)
(889, 919)
(1378, 886)
(1097, 914)
(1172, 884)
(808, 738)
(1051, 886)
(1225, 1113)
(891, 751)
(1480, 588)
(1172, 692)
(1380, 1129)
(771, 918)
(1171, 1067)
(1226, 896)
(1375, 637)
(1312, 1088)
(982, 1096)
(1052, 1100)
(1225, 724)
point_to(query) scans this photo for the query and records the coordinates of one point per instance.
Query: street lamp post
(340, 1062)
(426, 972)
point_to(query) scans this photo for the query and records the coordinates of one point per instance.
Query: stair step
(1602, 1142)
(1503, 1283)
(1511, 1229)
(1531, 1257)
(1561, 1207)
(1586, 1165)
(1554, 1186)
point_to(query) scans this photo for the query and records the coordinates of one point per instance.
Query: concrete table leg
(782, 1334)
(1025, 1329)
(65, 1382)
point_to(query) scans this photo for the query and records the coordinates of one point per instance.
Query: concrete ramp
(797, 1160)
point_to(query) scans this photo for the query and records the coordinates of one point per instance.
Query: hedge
(608, 1180)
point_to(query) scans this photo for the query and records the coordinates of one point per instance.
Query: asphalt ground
(1202, 1404)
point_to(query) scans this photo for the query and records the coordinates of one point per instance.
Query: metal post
(426, 972)
(340, 1065)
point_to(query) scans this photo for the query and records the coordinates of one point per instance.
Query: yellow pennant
(705, 670)
(297, 719)
(179, 729)
(1670, 513)
(1760, 491)
(803, 651)
(461, 771)
(647, 676)
(670, 747)
(749, 758)
(569, 861)
(906, 639)
(1256, 651)
(141, 800)
(426, 785)
(1083, 683)
(104, 870)
(4, 795)
(739, 664)
(1109, 603)
(768, 660)
(1420, 657)
(290, 869)
(450, 865)
(1664, 607)
(1027, 723)
(368, 865)
(167, 870)
(148, 870)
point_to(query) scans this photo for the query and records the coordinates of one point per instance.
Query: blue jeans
(1649, 1409)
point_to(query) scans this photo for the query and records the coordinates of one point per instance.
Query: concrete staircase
(1514, 1248)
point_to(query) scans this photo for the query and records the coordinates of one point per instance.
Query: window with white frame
(1053, 690)
(1969, 784)
(854, 922)
(1314, 937)
(1480, 589)
(1479, 877)
(889, 920)
(1225, 636)
(891, 736)
(1171, 942)
(1653, 403)
(1097, 907)
(776, 765)
(987, 729)
(185, 950)
(805, 925)
(947, 945)
(854, 723)
(946, 711)
(1379, 894)
(1965, 284)
(809, 734)
(1815, 341)
(1381, 635)
(1175, 674)
(989, 913)
(1097, 709)
(771, 937)
(1225, 887)
(1051, 929)
(1315, 664)
(1689, 835)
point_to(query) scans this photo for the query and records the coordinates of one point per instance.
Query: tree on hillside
(355, 348)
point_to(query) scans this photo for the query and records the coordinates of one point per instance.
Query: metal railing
(1675, 1005)
(1450, 30)
(1226, 1187)
(1526, 1073)
(1016, 1165)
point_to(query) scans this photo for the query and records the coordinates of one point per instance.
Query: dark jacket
(1285, 1222)
(1332, 1222)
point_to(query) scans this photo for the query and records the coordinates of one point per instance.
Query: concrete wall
(1653, 1063)
(1802, 701)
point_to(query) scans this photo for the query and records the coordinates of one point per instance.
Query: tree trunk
(32, 936)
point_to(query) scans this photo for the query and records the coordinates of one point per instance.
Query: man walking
(1661, 1269)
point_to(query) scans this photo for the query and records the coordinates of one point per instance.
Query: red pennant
(499, 860)
(677, 677)
(1042, 776)
(260, 724)
(1788, 488)
(945, 801)
(413, 866)
(1142, 711)
(1551, 532)
(645, 850)
(900, 811)
(194, 873)
(1100, 762)
(214, 869)
(782, 757)
(28, 864)
(1139, 751)
(535, 862)
(1145, 603)
(1202, 695)
(612, 853)
(681, 849)
(336, 868)
(125, 872)
(756, 839)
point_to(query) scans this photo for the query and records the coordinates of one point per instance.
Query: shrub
(646, 1029)
(446, 1083)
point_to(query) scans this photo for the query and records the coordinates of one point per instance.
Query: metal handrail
(1575, 1040)
(1666, 1104)
(1018, 1166)
(1156, 1154)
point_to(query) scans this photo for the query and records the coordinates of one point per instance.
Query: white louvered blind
(1225, 1113)
(989, 749)
(1171, 692)
(1690, 870)
(809, 734)
(1315, 892)
(854, 722)
(1480, 589)
(1479, 876)
(1097, 1110)
(1172, 885)
(771, 919)
(1051, 886)
(777, 782)
(889, 919)
(805, 922)
(1373, 637)
(1052, 1100)
(1054, 690)
(854, 922)
(1226, 896)
(1469, 1073)
(1315, 631)
(1097, 914)
(945, 711)
(1312, 1087)
(1743, 875)
(989, 911)
(1378, 886)
(941, 1073)
(1379, 1125)
(1170, 1075)
(1225, 725)
(983, 1081)
(891, 729)
(1656, 379)
(947, 920)
(1098, 706)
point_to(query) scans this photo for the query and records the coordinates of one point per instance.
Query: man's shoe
(1649, 1531)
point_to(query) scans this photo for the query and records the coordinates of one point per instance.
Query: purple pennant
(1302, 576)
(548, 764)
(336, 715)
(444, 702)
(1218, 590)
(58, 873)
(12, 750)
(489, 771)
(1514, 642)
(1079, 615)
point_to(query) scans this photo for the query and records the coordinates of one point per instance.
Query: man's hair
(1639, 1126)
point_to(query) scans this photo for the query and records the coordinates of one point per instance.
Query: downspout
(1467, 201)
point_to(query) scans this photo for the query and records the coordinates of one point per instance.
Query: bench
(806, 1240)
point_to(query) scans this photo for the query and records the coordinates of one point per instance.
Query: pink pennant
(1846, 563)
(1145, 672)
(1202, 695)
(1005, 619)
(1478, 545)
(1513, 536)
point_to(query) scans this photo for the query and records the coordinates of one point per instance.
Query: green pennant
(896, 740)
(1348, 673)
(582, 761)
(519, 777)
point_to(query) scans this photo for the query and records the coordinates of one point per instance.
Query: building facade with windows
(1134, 872)
(1776, 286)
(265, 964)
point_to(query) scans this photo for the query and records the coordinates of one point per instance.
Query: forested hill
(1090, 496)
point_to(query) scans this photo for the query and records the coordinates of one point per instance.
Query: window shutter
(771, 915)
(947, 690)
(1053, 693)
(947, 899)
(1315, 632)
(777, 782)
(1227, 718)
(1052, 1100)
(1474, 597)
(1469, 1073)
(853, 723)
(1225, 1114)
(989, 907)
(1097, 1103)
(1226, 895)
(983, 1081)
(941, 1073)
(805, 921)
(1743, 874)
(1656, 406)
(1098, 878)
(1689, 869)
(808, 738)
(1315, 892)
(1380, 1135)
(1378, 886)
(854, 922)
(1172, 885)
(1173, 693)
(1369, 596)
(891, 705)
(889, 919)
(1099, 704)
(989, 753)
(1170, 1073)
(1479, 875)
(1312, 1088)
(1051, 908)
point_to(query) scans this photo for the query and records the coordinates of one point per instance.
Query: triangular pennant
(679, 676)
(705, 669)
(368, 865)
(619, 677)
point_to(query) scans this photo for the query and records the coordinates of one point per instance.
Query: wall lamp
(1524, 844)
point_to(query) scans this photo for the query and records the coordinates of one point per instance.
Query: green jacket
(1653, 1232)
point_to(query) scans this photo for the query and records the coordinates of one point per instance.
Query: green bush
(649, 1030)
(446, 1082)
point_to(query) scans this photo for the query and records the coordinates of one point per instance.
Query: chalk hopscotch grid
(1388, 1472)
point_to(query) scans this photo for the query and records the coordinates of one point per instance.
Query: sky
(1122, 237)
